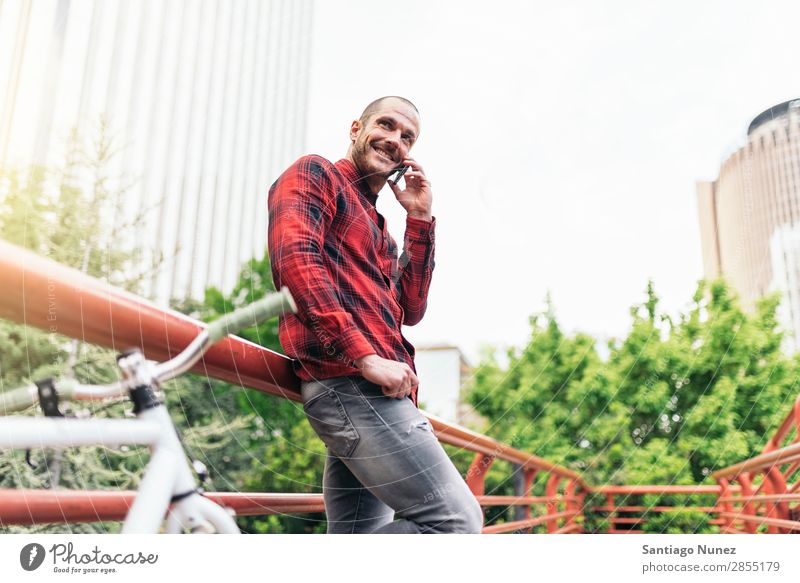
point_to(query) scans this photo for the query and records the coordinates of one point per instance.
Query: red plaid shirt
(331, 248)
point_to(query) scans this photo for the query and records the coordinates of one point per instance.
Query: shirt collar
(354, 177)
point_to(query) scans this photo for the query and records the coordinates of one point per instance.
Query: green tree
(675, 400)
(275, 449)
(248, 440)
(62, 215)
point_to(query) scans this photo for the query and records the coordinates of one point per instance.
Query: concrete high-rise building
(750, 215)
(205, 99)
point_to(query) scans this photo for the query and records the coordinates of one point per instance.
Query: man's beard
(362, 157)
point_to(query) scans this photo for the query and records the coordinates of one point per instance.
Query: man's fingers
(415, 176)
(400, 392)
(414, 165)
(396, 379)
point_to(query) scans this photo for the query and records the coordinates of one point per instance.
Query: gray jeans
(385, 471)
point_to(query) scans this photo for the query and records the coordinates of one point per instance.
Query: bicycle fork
(168, 478)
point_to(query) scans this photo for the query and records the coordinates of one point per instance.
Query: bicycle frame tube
(196, 511)
(167, 475)
(155, 492)
(31, 432)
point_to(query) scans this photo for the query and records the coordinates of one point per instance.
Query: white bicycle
(168, 487)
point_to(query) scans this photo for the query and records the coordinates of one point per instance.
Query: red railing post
(477, 473)
(774, 479)
(571, 505)
(612, 511)
(551, 491)
(530, 475)
(770, 511)
(747, 505)
(796, 411)
(582, 508)
(727, 507)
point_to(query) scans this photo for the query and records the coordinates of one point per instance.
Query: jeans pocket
(328, 418)
(424, 425)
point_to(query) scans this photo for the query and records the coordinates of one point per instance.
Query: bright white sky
(563, 141)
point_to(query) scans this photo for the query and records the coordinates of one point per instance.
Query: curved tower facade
(750, 215)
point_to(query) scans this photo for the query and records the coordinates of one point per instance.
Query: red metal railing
(624, 517)
(763, 491)
(41, 293)
(769, 488)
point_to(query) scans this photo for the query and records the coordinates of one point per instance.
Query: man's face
(383, 141)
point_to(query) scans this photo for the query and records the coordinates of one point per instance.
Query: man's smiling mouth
(385, 155)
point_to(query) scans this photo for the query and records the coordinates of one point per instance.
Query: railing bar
(519, 524)
(790, 524)
(656, 489)
(760, 462)
(782, 431)
(522, 500)
(568, 529)
(489, 447)
(764, 498)
(653, 508)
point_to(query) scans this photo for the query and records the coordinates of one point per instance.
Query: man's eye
(384, 124)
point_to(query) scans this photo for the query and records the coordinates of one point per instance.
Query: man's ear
(354, 129)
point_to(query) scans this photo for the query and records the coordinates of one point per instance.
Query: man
(385, 470)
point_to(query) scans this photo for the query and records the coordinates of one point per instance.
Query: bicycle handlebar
(274, 304)
(259, 311)
(18, 399)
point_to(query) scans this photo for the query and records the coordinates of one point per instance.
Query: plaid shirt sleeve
(302, 204)
(415, 280)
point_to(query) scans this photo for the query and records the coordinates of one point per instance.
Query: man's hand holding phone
(416, 198)
(396, 379)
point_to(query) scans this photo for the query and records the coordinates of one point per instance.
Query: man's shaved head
(375, 106)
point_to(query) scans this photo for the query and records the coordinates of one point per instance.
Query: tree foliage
(674, 401)
(249, 441)
(276, 450)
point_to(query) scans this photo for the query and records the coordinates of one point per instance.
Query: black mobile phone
(399, 174)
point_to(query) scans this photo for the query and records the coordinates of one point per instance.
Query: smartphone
(399, 174)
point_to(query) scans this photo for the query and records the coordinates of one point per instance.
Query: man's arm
(301, 209)
(416, 264)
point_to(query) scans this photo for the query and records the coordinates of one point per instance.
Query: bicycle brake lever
(201, 470)
(29, 461)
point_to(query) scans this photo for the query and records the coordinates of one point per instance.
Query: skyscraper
(750, 215)
(205, 99)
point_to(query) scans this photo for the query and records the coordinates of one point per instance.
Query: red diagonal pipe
(45, 294)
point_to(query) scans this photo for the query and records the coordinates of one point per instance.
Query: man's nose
(396, 140)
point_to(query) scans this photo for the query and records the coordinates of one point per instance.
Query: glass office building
(205, 101)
